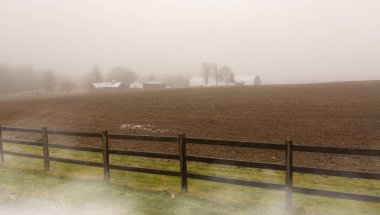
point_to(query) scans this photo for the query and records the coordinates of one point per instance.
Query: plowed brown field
(332, 114)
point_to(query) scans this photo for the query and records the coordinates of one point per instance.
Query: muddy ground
(332, 114)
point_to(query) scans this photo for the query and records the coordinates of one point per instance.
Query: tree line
(223, 74)
(120, 73)
(19, 79)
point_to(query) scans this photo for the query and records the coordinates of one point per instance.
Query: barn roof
(136, 84)
(153, 82)
(245, 79)
(112, 84)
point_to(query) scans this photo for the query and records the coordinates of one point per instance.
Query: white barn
(199, 81)
(245, 79)
(107, 85)
(136, 85)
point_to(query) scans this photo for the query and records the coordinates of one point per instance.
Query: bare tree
(19, 79)
(208, 70)
(152, 77)
(205, 72)
(49, 81)
(214, 70)
(122, 74)
(257, 80)
(95, 76)
(67, 86)
(226, 74)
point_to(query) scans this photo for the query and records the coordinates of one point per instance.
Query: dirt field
(332, 114)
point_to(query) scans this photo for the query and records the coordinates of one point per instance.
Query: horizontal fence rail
(142, 138)
(74, 133)
(183, 158)
(23, 154)
(339, 195)
(23, 142)
(239, 163)
(237, 181)
(145, 170)
(76, 148)
(236, 144)
(333, 150)
(26, 130)
(341, 173)
(79, 162)
(144, 154)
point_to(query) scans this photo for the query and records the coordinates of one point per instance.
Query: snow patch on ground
(147, 127)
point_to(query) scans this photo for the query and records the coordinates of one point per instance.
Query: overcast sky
(284, 41)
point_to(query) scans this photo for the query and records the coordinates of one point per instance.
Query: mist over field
(109, 107)
(291, 41)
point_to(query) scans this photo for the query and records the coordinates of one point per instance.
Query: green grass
(74, 188)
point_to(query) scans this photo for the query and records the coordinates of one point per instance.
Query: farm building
(245, 79)
(199, 81)
(154, 85)
(136, 85)
(106, 85)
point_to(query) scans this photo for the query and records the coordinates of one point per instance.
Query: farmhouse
(154, 85)
(106, 85)
(136, 85)
(199, 81)
(245, 79)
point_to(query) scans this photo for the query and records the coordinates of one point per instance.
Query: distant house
(107, 85)
(136, 84)
(245, 79)
(154, 85)
(199, 81)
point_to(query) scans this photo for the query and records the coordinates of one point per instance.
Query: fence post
(45, 139)
(106, 156)
(1, 146)
(289, 174)
(182, 161)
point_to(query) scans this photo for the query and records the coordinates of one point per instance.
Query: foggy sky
(284, 41)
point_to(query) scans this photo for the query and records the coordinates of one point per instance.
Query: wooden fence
(288, 148)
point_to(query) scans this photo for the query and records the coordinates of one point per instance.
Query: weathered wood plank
(74, 133)
(27, 130)
(237, 181)
(239, 163)
(289, 174)
(20, 154)
(145, 170)
(340, 173)
(106, 156)
(334, 150)
(1, 146)
(142, 138)
(182, 162)
(144, 154)
(339, 195)
(23, 142)
(236, 144)
(79, 162)
(75, 148)
(45, 140)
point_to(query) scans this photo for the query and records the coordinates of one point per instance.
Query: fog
(293, 41)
